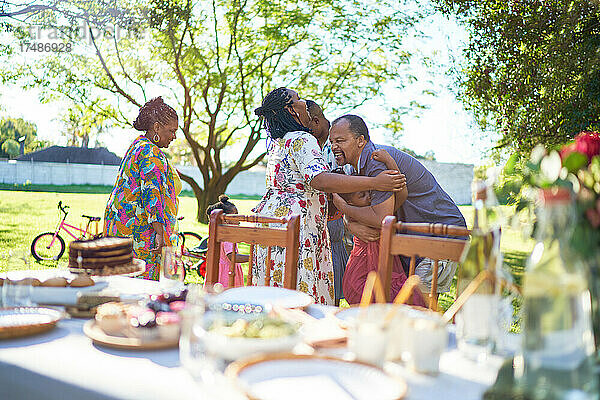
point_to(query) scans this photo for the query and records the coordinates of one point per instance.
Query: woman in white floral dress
(297, 177)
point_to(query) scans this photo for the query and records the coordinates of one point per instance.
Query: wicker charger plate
(307, 376)
(25, 321)
(94, 332)
(136, 268)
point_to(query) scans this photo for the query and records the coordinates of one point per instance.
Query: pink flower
(586, 142)
(567, 149)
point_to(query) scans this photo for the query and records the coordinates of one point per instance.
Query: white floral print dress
(294, 161)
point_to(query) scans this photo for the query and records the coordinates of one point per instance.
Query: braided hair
(155, 110)
(278, 120)
(223, 204)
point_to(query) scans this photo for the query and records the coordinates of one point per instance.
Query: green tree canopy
(83, 123)
(215, 60)
(11, 147)
(532, 68)
(13, 129)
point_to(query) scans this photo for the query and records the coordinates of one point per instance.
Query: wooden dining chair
(247, 229)
(396, 240)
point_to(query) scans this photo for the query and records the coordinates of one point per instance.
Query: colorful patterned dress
(146, 191)
(294, 161)
(337, 233)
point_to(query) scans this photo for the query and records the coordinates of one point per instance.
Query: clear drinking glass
(368, 335)
(172, 270)
(426, 339)
(196, 357)
(15, 294)
(476, 326)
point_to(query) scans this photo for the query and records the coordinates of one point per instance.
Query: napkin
(324, 333)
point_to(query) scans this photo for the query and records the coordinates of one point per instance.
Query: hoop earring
(155, 138)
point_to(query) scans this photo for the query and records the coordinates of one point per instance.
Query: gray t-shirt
(426, 202)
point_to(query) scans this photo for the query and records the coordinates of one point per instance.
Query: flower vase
(593, 268)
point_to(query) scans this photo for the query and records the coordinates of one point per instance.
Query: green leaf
(509, 168)
(534, 168)
(575, 161)
(521, 205)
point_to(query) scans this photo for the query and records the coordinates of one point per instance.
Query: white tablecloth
(65, 364)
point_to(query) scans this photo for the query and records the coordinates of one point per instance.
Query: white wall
(454, 178)
(250, 182)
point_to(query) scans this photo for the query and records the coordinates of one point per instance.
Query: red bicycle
(51, 246)
(193, 251)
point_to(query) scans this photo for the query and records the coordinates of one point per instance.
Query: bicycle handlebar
(62, 208)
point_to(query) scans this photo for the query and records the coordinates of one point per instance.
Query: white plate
(350, 314)
(263, 295)
(62, 295)
(309, 377)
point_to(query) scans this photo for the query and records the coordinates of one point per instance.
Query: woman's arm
(387, 181)
(159, 241)
(306, 153)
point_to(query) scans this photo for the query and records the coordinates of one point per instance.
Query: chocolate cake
(101, 254)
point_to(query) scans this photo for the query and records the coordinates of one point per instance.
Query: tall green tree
(532, 68)
(13, 132)
(215, 60)
(83, 123)
(10, 147)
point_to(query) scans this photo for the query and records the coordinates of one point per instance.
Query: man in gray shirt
(423, 200)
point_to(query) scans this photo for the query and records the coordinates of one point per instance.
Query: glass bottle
(556, 358)
(475, 322)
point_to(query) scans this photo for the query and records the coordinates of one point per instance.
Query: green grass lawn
(25, 214)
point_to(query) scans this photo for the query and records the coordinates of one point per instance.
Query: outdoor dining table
(65, 364)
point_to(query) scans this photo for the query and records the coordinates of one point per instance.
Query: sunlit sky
(444, 127)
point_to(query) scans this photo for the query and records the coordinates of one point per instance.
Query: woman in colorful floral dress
(143, 203)
(297, 177)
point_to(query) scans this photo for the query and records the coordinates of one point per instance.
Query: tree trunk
(208, 197)
(205, 199)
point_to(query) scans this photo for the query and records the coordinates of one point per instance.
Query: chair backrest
(395, 240)
(237, 228)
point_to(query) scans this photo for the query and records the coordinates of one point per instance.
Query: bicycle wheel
(190, 239)
(41, 248)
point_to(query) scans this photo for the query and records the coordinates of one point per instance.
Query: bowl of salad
(232, 339)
